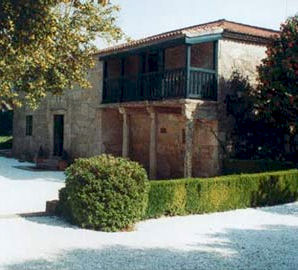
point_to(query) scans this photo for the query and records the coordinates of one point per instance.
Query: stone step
(48, 164)
(6, 153)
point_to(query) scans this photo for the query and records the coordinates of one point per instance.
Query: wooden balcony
(192, 83)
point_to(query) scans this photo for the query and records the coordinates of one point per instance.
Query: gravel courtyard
(25, 191)
(262, 238)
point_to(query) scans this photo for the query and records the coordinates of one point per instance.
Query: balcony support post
(104, 84)
(216, 55)
(187, 65)
(125, 132)
(153, 143)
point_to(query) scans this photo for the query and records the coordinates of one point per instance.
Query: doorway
(58, 134)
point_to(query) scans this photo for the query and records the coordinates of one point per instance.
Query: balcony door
(58, 134)
(151, 70)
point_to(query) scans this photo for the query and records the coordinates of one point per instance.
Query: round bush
(104, 193)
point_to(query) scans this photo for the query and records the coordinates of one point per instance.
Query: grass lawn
(5, 142)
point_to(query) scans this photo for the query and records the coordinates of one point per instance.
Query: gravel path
(25, 191)
(263, 238)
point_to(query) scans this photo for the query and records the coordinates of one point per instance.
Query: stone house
(158, 100)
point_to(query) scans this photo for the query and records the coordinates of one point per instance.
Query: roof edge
(182, 32)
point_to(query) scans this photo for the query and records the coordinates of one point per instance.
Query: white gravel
(262, 238)
(24, 191)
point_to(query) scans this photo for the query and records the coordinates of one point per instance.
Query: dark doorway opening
(58, 134)
(153, 62)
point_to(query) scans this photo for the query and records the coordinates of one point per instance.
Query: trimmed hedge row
(196, 196)
(237, 166)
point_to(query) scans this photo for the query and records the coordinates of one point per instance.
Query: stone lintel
(142, 104)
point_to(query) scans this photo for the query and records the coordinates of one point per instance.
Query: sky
(141, 18)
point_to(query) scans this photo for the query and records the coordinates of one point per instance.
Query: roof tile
(223, 25)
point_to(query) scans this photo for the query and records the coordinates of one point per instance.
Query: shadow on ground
(286, 209)
(271, 247)
(11, 169)
(51, 221)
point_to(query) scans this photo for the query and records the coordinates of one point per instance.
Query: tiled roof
(226, 26)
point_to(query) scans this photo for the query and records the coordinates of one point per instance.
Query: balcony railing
(161, 85)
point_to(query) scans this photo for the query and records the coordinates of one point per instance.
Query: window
(29, 125)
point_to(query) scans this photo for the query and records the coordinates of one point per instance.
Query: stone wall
(140, 138)
(170, 145)
(202, 55)
(111, 132)
(205, 148)
(241, 57)
(175, 57)
(26, 147)
(81, 124)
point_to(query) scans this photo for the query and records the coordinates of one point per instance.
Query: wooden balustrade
(161, 85)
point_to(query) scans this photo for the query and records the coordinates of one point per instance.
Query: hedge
(237, 166)
(197, 196)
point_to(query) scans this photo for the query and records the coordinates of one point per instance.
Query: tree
(276, 95)
(252, 137)
(46, 45)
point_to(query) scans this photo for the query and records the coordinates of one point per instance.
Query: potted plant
(40, 156)
(64, 161)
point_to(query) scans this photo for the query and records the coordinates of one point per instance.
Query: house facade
(158, 101)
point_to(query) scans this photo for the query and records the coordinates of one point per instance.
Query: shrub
(104, 193)
(237, 166)
(196, 196)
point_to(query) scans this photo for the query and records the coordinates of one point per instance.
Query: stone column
(125, 133)
(99, 131)
(189, 128)
(188, 148)
(152, 149)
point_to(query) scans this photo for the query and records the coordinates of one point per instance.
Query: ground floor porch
(171, 139)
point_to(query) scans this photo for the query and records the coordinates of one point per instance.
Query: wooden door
(58, 134)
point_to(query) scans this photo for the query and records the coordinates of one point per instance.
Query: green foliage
(247, 128)
(266, 117)
(253, 135)
(5, 142)
(104, 193)
(197, 196)
(277, 93)
(46, 45)
(236, 166)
